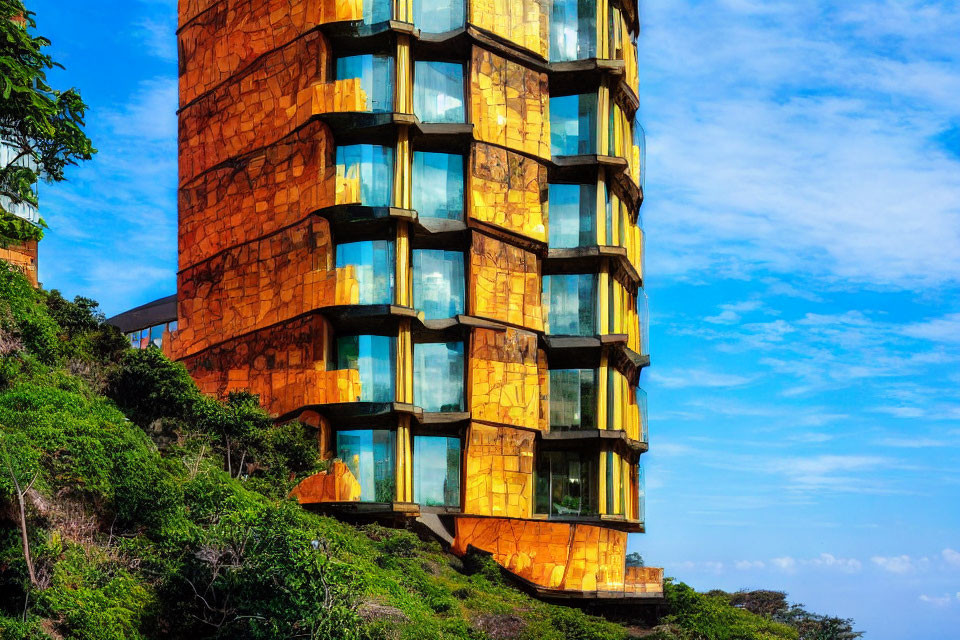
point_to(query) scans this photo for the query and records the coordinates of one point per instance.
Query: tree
(42, 126)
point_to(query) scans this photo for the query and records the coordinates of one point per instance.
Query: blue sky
(803, 220)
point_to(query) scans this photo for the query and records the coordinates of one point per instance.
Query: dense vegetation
(152, 511)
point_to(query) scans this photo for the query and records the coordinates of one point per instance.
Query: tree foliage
(43, 125)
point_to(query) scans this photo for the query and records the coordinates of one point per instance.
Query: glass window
(172, 326)
(156, 334)
(438, 376)
(573, 215)
(373, 265)
(642, 410)
(371, 458)
(438, 283)
(436, 471)
(573, 32)
(134, 339)
(438, 185)
(375, 358)
(376, 78)
(614, 484)
(367, 171)
(571, 300)
(573, 125)
(375, 11)
(573, 399)
(566, 484)
(438, 16)
(438, 91)
(643, 318)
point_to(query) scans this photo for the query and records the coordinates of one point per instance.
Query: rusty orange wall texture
(262, 306)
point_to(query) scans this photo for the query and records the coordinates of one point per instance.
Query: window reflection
(573, 399)
(573, 215)
(641, 396)
(438, 91)
(614, 484)
(375, 11)
(436, 471)
(373, 265)
(571, 300)
(438, 283)
(573, 125)
(374, 357)
(566, 484)
(438, 376)
(438, 185)
(376, 78)
(365, 174)
(437, 16)
(573, 32)
(371, 458)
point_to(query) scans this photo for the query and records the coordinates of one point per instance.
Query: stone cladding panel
(509, 190)
(505, 283)
(499, 465)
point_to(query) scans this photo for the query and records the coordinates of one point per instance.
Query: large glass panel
(373, 265)
(572, 300)
(438, 91)
(573, 125)
(436, 471)
(374, 357)
(573, 399)
(368, 170)
(566, 484)
(614, 484)
(573, 31)
(438, 16)
(641, 507)
(573, 215)
(438, 283)
(438, 185)
(375, 11)
(642, 409)
(156, 334)
(438, 376)
(643, 317)
(376, 78)
(371, 458)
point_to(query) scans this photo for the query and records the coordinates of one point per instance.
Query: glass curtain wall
(573, 215)
(375, 11)
(567, 484)
(438, 16)
(371, 458)
(438, 185)
(436, 471)
(438, 283)
(438, 376)
(438, 91)
(367, 172)
(573, 399)
(375, 358)
(373, 265)
(376, 78)
(573, 125)
(615, 488)
(572, 304)
(642, 410)
(573, 30)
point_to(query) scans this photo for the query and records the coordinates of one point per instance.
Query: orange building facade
(416, 229)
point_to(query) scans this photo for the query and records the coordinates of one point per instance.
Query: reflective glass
(373, 266)
(376, 78)
(436, 471)
(643, 318)
(438, 16)
(375, 11)
(573, 125)
(370, 168)
(642, 409)
(371, 458)
(438, 185)
(566, 484)
(573, 32)
(614, 485)
(573, 399)
(571, 300)
(438, 283)
(573, 215)
(438, 376)
(156, 334)
(438, 91)
(375, 358)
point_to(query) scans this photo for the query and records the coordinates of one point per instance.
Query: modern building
(415, 227)
(22, 256)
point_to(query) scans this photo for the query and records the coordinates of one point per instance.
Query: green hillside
(151, 511)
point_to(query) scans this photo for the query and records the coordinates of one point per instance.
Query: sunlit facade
(21, 256)
(416, 228)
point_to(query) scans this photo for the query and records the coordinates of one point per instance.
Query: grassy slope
(135, 541)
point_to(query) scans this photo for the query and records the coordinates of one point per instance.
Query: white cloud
(943, 329)
(829, 561)
(731, 313)
(785, 563)
(951, 557)
(937, 601)
(749, 565)
(896, 564)
(687, 378)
